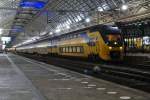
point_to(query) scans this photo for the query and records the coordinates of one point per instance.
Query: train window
(61, 50)
(82, 49)
(67, 50)
(75, 36)
(70, 49)
(78, 50)
(65, 37)
(68, 36)
(64, 49)
(74, 49)
(71, 36)
(78, 35)
(61, 38)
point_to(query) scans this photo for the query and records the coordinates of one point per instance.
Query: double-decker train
(100, 41)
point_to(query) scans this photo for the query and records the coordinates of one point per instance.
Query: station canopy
(23, 20)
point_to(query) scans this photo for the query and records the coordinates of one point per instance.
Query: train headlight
(121, 48)
(110, 48)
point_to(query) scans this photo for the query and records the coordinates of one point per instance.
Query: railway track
(132, 75)
(142, 64)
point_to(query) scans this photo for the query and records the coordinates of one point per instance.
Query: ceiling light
(100, 9)
(43, 33)
(68, 27)
(50, 33)
(79, 18)
(124, 7)
(57, 30)
(87, 20)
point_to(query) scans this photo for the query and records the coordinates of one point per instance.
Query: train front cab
(111, 44)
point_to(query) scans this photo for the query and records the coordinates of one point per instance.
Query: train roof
(100, 27)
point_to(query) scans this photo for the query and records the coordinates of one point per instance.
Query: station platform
(25, 79)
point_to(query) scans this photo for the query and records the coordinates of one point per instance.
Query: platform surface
(25, 79)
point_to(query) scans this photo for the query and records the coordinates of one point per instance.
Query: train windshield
(114, 40)
(112, 36)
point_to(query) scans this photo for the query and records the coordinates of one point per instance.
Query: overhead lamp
(100, 9)
(68, 27)
(124, 7)
(87, 20)
(57, 30)
(50, 33)
(79, 18)
(43, 33)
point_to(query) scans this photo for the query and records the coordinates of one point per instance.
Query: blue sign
(34, 4)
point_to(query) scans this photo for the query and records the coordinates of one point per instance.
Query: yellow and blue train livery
(100, 41)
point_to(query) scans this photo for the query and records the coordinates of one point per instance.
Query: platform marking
(64, 88)
(60, 79)
(77, 79)
(87, 87)
(91, 85)
(84, 82)
(111, 92)
(101, 88)
(23, 91)
(34, 90)
(81, 79)
(61, 74)
(49, 69)
(65, 79)
(40, 65)
(125, 97)
(34, 62)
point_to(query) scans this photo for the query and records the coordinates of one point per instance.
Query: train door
(93, 44)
